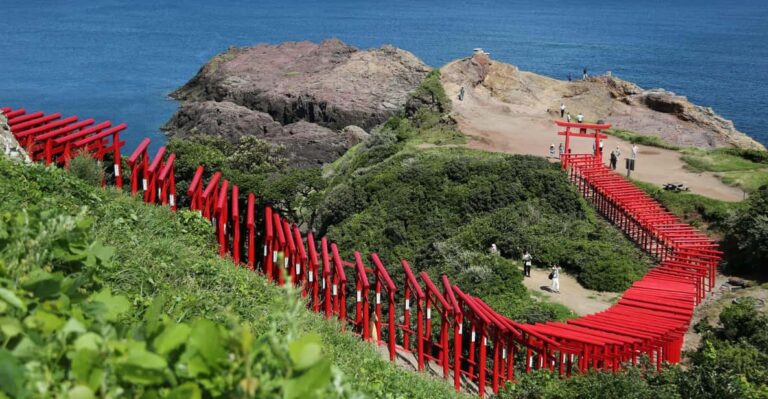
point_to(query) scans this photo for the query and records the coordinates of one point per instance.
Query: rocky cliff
(8, 143)
(299, 94)
(621, 103)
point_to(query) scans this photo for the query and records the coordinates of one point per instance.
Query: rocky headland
(624, 104)
(315, 99)
(319, 99)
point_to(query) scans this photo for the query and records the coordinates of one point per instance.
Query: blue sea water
(119, 60)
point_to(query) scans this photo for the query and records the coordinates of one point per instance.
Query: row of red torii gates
(462, 337)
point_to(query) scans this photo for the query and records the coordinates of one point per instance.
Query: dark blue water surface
(119, 59)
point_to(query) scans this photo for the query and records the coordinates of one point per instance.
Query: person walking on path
(601, 148)
(584, 74)
(527, 264)
(634, 151)
(561, 150)
(552, 150)
(555, 276)
(615, 154)
(568, 116)
(461, 94)
(562, 110)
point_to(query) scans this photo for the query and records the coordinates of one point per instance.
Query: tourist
(634, 151)
(601, 148)
(461, 94)
(568, 117)
(615, 154)
(561, 150)
(579, 118)
(555, 276)
(562, 110)
(570, 77)
(527, 264)
(494, 249)
(552, 150)
(584, 74)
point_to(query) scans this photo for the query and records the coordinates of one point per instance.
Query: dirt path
(572, 295)
(498, 126)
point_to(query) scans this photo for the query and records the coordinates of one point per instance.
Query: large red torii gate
(586, 130)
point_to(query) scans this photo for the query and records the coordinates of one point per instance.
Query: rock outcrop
(624, 104)
(298, 94)
(8, 143)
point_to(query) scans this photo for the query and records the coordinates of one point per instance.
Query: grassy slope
(172, 254)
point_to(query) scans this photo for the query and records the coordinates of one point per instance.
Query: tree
(746, 241)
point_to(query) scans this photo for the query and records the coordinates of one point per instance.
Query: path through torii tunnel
(436, 322)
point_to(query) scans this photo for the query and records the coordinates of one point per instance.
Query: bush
(746, 240)
(87, 169)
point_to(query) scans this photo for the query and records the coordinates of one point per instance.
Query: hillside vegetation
(442, 207)
(103, 296)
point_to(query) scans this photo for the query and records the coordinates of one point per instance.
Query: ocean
(119, 60)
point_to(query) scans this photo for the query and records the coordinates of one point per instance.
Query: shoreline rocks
(300, 94)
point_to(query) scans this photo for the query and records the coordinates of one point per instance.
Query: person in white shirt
(579, 118)
(634, 151)
(555, 278)
(562, 110)
(494, 249)
(527, 264)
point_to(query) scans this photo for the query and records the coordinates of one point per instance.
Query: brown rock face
(261, 90)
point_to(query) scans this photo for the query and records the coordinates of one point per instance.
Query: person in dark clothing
(584, 74)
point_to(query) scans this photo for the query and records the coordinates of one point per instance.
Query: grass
(653, 141)
(747, 169)
(161, 253)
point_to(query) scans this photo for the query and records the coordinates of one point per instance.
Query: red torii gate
(583, 132)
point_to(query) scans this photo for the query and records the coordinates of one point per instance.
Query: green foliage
(425, 205)
(745, 168)
(632, 137)
(254, 166)
(164, 266)
(65, 336)
(746, 240)
(430, 93)
(87, 169)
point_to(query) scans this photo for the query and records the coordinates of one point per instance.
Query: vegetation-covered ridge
(102, 296)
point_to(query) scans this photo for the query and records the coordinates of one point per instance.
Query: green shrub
(746, 239)
(87, 169)
(66, 335)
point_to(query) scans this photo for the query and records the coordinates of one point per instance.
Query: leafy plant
(87, 169)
